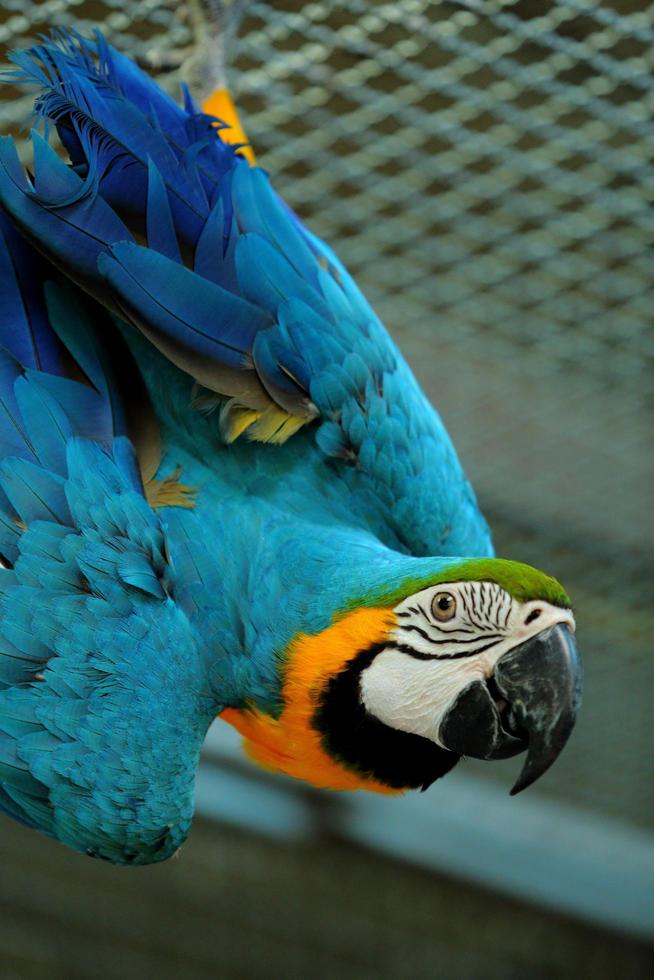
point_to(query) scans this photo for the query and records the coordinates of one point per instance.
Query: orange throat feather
(290, 743)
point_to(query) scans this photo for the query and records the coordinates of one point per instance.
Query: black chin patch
(363, 743)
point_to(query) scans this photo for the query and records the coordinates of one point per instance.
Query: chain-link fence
(484, 168)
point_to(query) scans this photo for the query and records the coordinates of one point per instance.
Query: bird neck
(254, 578)
(292, 743)
(324, 735)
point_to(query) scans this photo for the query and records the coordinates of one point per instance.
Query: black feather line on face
(413, 628)
(361, 742)
(461, 655)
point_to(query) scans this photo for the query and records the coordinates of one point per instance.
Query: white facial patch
(432, 655)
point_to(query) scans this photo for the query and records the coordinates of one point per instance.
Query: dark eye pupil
(444, 603)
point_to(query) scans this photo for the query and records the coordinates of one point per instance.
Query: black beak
(530, 702)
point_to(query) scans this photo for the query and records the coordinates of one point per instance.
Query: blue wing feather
(35, 493)
(46, 421)
(160, 228)
(73, 234)
(172, 299)
(30, 340)
(91, 641)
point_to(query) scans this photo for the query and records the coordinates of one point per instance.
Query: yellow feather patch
(290, 743)
(169, 492)
(271, 424)
(220, 104)
(274, 425)
(291, 425)
(234, 420)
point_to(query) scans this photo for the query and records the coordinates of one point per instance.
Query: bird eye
(443, 606)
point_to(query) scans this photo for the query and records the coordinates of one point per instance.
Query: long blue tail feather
(115, 122)
(143, 167)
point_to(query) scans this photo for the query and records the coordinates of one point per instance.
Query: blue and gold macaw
(222, 492)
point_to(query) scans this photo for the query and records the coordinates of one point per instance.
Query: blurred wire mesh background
(484, 168)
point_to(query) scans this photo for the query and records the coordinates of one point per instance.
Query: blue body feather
(127, 629)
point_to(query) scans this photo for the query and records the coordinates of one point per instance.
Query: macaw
(223, 493)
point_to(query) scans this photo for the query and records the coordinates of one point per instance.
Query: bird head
(477, 660)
